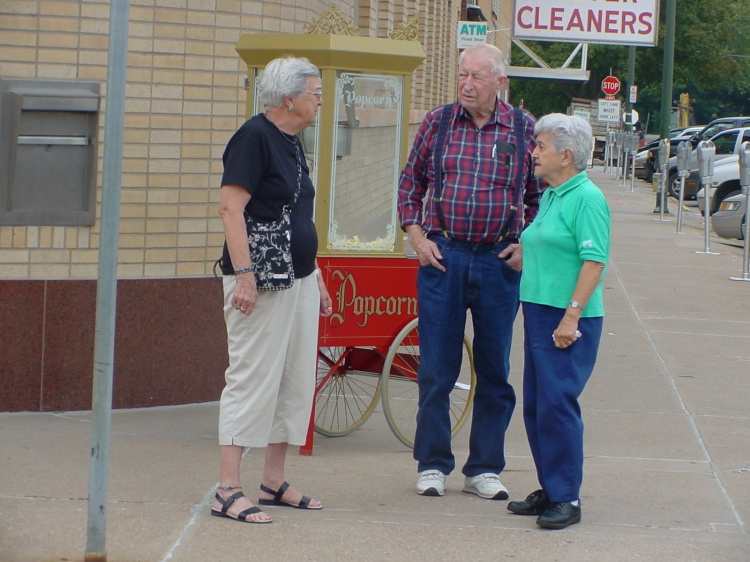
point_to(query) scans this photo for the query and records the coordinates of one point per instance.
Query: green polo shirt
(572, 226)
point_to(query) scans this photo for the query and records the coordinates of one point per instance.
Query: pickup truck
(725, 183)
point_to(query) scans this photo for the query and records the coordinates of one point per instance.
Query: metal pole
(630, 81)
(661, 196)
(707, 218)
(632, 164)
(745, 182)
(746, 235)
(679, 205)
(668, 69)
(606, 152)
(706, 154)
(106, 294)
(683, 169)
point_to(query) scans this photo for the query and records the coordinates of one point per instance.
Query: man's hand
(515, 261)
(427, 251)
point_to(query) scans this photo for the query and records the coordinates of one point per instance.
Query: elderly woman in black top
(272, 336)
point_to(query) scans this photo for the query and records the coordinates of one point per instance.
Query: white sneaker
(431, 483)
(487, 486)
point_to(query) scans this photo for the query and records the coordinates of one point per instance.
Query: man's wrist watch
(574, 304)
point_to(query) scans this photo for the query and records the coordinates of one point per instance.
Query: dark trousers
(553, 380)
(477, 280)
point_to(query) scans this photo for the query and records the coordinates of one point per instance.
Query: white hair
(285, 77)
(494, 57)
(568, 132)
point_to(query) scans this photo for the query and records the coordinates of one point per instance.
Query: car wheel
(673, 188)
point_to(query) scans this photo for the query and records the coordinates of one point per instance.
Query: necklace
(291, 139)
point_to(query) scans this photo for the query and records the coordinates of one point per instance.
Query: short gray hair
(568, 132)
(494, 57)
(285, 77)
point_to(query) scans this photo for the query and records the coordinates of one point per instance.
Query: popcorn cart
(368, 349)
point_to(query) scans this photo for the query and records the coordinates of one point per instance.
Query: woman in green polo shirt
(565, 252)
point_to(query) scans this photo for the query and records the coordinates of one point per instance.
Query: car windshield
(725, 143)
(715, 129)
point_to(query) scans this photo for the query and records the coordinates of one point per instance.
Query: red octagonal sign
(611, 85)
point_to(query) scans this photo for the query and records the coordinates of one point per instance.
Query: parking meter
(683, 170)
(663, 154)
(683, 159)
(706, 155)
(745, 165)
(745, 183)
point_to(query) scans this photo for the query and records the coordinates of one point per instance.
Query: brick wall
(185, 97)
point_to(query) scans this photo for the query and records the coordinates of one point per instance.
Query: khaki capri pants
(270, 379)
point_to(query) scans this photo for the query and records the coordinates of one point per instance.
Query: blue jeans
(553, 379)
(477, 280)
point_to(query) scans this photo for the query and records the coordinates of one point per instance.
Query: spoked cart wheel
(347, 388)
(400, 392)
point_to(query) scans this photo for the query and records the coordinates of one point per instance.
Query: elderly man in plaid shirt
(464, 196)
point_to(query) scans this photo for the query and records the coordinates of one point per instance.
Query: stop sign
(611, 85)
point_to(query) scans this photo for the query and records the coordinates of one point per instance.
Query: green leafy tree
(712, 64)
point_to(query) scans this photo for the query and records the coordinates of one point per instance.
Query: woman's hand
(566, 332)
(245, 293)
(326, 304)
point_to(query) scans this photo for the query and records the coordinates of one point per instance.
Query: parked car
(729, 220)
(728, 144)
(645, 160)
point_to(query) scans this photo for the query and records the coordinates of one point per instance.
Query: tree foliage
(712, 64)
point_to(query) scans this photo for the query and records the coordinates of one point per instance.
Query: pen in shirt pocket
(501, 147)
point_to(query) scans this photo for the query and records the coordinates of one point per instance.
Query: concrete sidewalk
(667, 445)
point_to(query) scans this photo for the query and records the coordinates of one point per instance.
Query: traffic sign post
(609, 111)
(611, 86)
(633, 94)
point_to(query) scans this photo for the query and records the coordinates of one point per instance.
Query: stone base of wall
(170, 345)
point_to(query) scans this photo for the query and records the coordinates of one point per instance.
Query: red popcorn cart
(368, 349)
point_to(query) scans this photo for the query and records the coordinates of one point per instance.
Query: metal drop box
(48, 152)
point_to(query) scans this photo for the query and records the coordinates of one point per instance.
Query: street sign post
(630, 117)
(633, 94)
(609, 111)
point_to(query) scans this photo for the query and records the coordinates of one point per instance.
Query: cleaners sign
(619, 22)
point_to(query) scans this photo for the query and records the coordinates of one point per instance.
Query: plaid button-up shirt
(478, 179)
